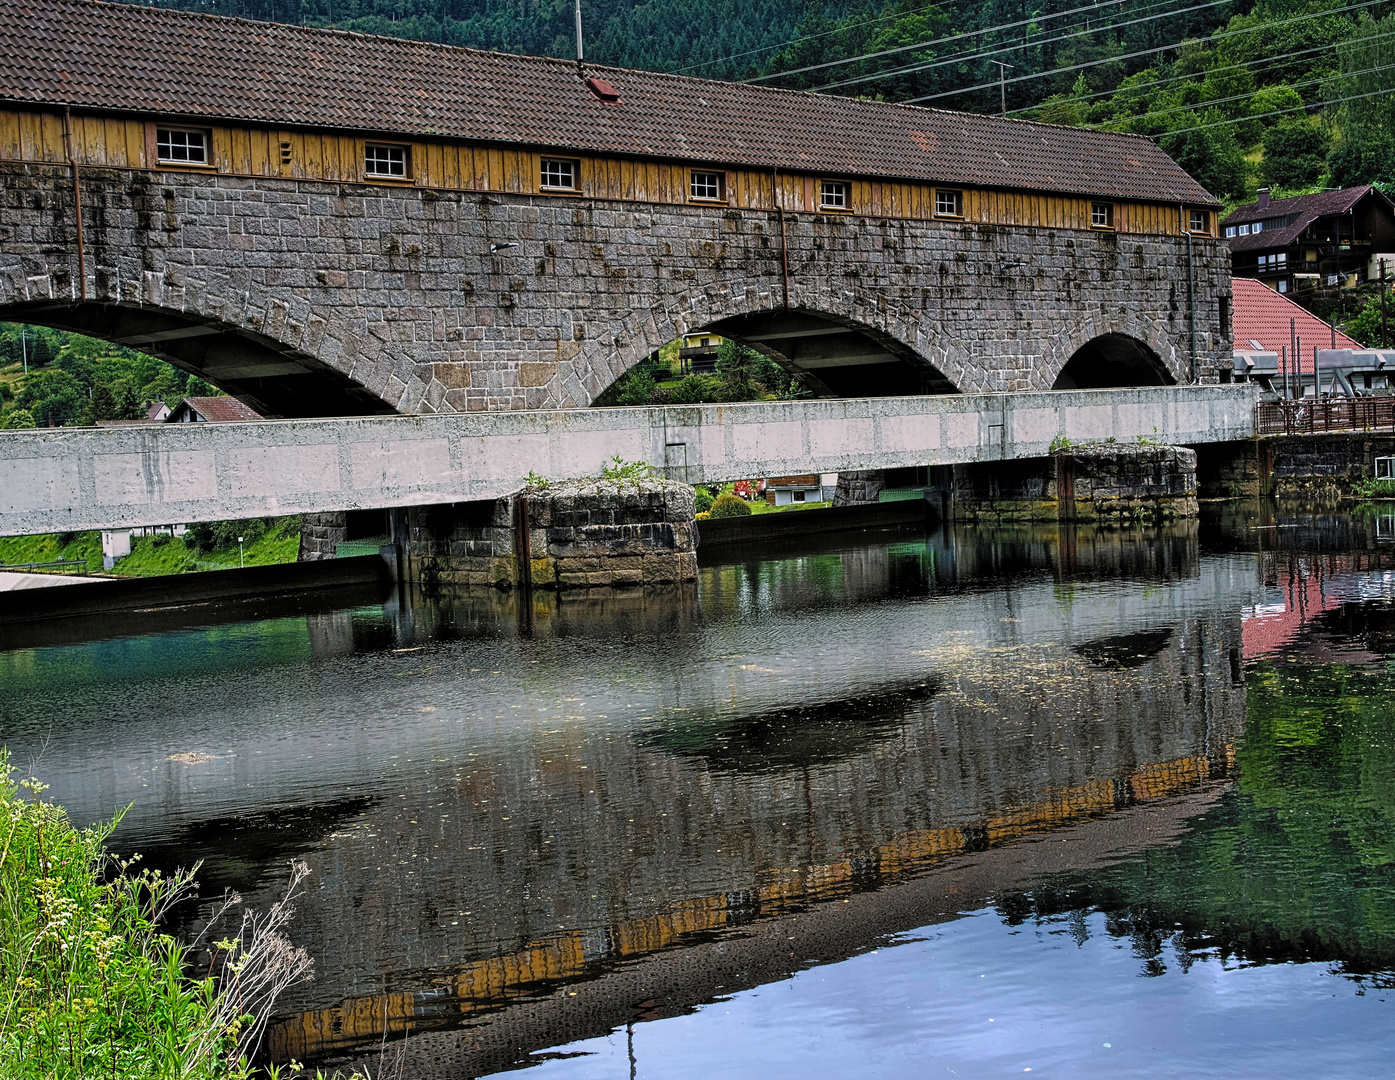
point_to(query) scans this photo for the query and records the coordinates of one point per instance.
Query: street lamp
(239, 553)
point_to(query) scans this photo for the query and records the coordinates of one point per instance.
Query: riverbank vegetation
(206, 546)
(89, 984)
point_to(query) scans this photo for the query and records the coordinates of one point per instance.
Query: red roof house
(212, 409)
(1265, 316)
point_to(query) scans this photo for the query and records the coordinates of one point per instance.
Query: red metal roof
(136, 59)
(1263, 315)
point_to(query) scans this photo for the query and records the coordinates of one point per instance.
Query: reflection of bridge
(68, 480)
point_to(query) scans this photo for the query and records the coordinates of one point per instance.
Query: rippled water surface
(970, 803)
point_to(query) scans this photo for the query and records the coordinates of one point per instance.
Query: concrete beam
(92, 478)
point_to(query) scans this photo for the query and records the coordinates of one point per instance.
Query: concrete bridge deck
(91, 478)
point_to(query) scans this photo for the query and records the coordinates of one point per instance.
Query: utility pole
(580, 51)
(1002, 81)
(24, 345)
(1385, 342)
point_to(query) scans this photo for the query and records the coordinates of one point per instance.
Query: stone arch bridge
(310, 298)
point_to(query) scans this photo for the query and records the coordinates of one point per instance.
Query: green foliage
(17, 418)
(204, 547)
(1366, 326)
(703, 499)
(726, 506)
(1295, 152)
(1059, 443)
(89, 987)
(1365, 149)
(617, 468)
(1370, 488)
(534, 482)
(696, 389)
(1210, 152)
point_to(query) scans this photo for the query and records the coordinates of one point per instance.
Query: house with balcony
(1331, 240)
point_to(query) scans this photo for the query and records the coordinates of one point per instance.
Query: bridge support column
(1109, 483)
(590, 534)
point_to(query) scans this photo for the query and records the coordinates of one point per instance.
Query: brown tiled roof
(218, 409)
(128, 58)
(1307, 208)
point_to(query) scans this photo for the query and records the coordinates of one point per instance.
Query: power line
(814, 37)
(1191, 74)
(936, 41)
(1233, 98)
(1016, 46)
(1276, 112)
(1146, 52)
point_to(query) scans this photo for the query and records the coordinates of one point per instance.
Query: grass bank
(152, 555)
(90, 987)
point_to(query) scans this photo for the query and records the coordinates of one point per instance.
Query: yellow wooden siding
(245, 151)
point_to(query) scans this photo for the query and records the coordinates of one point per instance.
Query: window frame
(1230, 231)
(389, 177)
(1108, 222)
(721, 178)
(1204, 229)
(956, 196)
(205, 137)
(557, 189)
(1388, 462)
(844, 189)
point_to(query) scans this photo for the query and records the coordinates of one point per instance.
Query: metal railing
(44, 567)
(1305, 416)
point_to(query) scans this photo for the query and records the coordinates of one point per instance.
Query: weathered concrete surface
(298, 295)
(89, 478)
(1321, 467)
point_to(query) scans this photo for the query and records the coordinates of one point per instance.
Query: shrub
(702, 499)
(89, 987)
(696, 389)
(729, 505)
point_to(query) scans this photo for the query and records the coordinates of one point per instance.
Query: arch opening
(833, 358)
(1113, 361)
(278, 383)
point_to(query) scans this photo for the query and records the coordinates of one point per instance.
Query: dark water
(973, 804)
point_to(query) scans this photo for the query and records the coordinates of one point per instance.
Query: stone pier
(580, 535)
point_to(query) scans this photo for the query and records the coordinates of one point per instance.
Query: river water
(966, 803)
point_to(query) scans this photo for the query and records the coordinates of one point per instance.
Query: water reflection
(529, 827)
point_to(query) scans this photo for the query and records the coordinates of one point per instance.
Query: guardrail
(44, 567)
(1305, 416)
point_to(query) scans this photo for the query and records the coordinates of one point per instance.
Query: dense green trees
(75, 379)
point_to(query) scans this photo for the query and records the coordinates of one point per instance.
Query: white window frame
(1257, 227)
(387, 161)
(1101, 215)
(707, 185)
(951, 197)
(167, 146)
(1384, 468)
(551, 170)
(1230, 230)
(1199, 221)
(1244, 230)
(835, 195)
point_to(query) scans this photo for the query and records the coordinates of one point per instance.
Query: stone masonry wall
(1109, 482)
(321, 534)
(617, 534)
(396, 288)
(1318, 467)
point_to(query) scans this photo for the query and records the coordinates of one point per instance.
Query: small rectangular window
(1257, 227)
(1230, 230)
(833, 195)
(1385, 468)
(559, 174)
(1283, 284)
(385, 161)
(1102, 215)
(706, 185)
(1199, 221)
(182, 147)
(1244, 230)
(949, 204)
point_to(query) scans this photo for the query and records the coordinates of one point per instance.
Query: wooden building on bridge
(207, 102)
